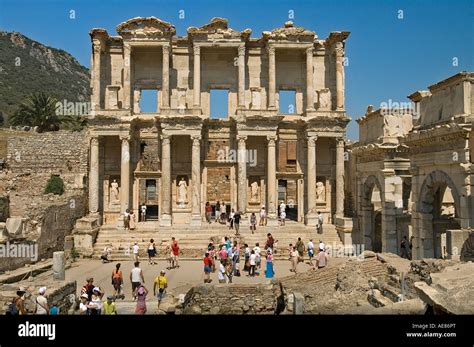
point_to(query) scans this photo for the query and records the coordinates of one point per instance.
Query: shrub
(55, 185)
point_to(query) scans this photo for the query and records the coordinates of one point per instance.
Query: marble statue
(254, 192)
(114, 192)
(182, 192)
(320, 192)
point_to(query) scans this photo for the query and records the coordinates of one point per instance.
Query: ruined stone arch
(431, 184)
(371, 220)
(370, 183)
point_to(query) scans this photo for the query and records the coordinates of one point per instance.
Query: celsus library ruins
(397, 203)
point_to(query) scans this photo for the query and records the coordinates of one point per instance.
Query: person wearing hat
(109, 306)
(95, 304)
(42, 307)
(17, 306)
(83, 309)
(162, 283)
(141, 294)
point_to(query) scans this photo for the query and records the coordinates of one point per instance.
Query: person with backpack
(42, 307)
(17, 306)
(162, 283)
(117, 282)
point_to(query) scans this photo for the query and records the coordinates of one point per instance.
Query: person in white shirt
(83, 304)
(263, 215)
(282, 207)
(143, 212)
(135, 252)
(42, 307)
(253, 262)
(294, 255)
(221, 273)
(258, 259)
(319, 223)
(322, 246)
(310, 251)
(282, 218)
(136, 277)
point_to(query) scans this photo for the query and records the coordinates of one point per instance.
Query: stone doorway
(371, 214)
(288, 193)
(377, 232)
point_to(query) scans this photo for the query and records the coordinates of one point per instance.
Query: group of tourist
(296, 254)
(129, 220)
(41, 307)
(171, 250)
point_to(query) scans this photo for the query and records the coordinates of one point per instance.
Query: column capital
(272, 140)
(242, 138)
(270, 50)
(338, 49)
(124, 138)
(166, 49)
(196, 139)
(196, 50)
(96, 46)
(94, 140)
(309, 51)
(340, 142)
(241, 49)
(165, 138)
(312, 140)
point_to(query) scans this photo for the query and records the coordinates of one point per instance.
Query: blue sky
(389, 57)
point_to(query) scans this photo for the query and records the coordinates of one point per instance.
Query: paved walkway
(180, 280)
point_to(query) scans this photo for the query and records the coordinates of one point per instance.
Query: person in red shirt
(174, 253)
(207, 268)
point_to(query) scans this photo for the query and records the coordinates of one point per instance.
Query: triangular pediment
(217, 28)
(146, 27)
(290, 32)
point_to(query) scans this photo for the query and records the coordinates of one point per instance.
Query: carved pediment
(218, 28)
(145, 28)
(289, 32)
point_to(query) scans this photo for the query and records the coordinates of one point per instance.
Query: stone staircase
(194, 240)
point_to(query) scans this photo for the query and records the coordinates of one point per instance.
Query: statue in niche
(182, 192)
(114, 192)
(254, 192)
(320, 192)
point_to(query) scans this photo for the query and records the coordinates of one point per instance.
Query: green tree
(38, 110)
(54, 185)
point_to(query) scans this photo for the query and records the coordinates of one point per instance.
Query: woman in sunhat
(141, 293)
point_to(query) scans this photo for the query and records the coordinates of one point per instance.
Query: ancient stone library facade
(177, 158)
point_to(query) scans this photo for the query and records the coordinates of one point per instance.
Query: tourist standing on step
(321, 259)
(237, 222)
(117, 282)
(42, 307)
(258, 258)
(221, 275)
(300, 247)
(282, 208)
(135, 250)
(161, 283)
(151, 252)
(282, 218)
(137, 278)
(143, 212)
(321, 246)
(269, 273)
(319, 223)
(253, 222)
(133, 220)
(88, 287)
(270, 242)
(253, 263)
(310, 251)
(231, 219)
(294, 256)
(175, 253)
(223, 255)
(141, 293)
(208, 212)
(207, 268)
(246, 257)
(126, 219)
(217, 211)
(263, 216)
(223, 213)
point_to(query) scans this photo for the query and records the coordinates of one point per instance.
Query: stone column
(271, 181)
(165, 180)
(309, 80)
(127, 63)
(242, 174)
(242, 76)
(311, 181)
(196, 178)
(271, 77)
(340, 178)
(125, 174)
(96, 46)
(165, 84)
(94, 176)
(59, 265)
(339, 51)
(197, 77)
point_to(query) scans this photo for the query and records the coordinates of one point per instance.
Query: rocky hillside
(27, 66)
